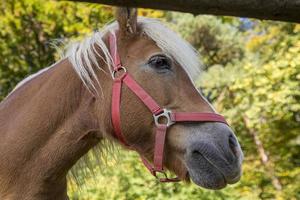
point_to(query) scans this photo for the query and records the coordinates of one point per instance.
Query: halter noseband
(158, 113)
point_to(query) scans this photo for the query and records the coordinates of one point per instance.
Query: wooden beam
(282, 10)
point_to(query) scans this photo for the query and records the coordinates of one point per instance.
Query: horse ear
(127, 19)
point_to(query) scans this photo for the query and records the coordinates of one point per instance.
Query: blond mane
(83, 54)
(83, 57)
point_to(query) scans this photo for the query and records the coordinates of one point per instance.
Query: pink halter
(157, 111)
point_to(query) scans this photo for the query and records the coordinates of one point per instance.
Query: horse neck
(46, 125)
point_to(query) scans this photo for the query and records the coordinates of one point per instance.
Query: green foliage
(129, 179)
(217, 42)
(253, 78)
(265, 89)
(29, 30)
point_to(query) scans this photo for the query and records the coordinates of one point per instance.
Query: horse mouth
(216, 181)
(206, 174)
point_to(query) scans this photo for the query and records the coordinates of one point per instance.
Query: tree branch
(282, 10)
(263, 155)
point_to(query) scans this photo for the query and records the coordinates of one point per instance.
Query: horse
(130, 83)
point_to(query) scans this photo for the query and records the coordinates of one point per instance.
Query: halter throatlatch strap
(120, 76)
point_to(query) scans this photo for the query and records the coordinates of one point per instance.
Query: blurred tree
(218, 39)
(29, 30)
(261, 98)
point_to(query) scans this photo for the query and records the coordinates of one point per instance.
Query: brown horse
(56, 116)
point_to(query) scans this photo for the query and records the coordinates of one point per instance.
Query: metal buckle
(118, 70)
(166, 114)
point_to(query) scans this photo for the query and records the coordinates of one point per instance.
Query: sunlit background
(251, 74)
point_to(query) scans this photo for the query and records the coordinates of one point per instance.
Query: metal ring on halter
(166, 114)
(118, 70)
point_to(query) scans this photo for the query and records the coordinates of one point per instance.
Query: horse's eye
(160, 62)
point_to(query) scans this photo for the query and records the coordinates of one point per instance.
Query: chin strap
(120, 77)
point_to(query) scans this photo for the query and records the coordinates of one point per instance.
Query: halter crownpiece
(163, 118)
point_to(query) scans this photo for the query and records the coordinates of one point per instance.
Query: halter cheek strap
(120, 77)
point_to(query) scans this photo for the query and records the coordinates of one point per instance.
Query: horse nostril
(233, 144)
(196, 153)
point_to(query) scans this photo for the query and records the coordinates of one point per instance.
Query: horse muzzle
(213, 156)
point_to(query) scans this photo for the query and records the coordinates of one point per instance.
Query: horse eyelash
(167, 58)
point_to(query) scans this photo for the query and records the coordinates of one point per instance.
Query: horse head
(162, 65)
